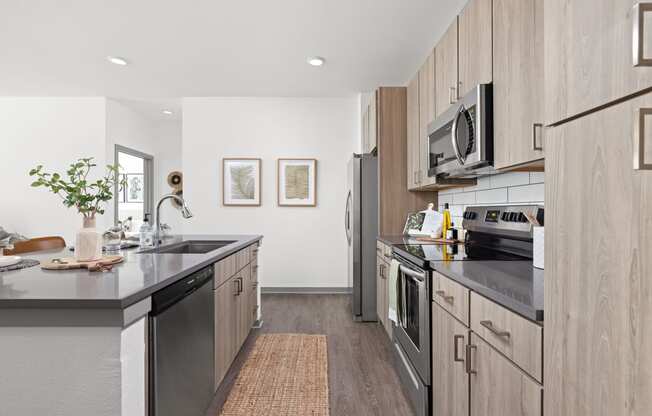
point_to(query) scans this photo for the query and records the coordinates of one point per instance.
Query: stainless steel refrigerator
(361, 224)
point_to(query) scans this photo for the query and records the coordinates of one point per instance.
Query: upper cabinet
(517, 81)
(446, 70)
(426, 114)
(596, 52)
(413, 148)
(474, 49)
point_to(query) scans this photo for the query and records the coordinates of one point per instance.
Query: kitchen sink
(190, 247)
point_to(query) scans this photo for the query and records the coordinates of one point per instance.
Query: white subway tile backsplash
(492, 196)
(537, 177)
(527, 193)
(445, 199)
(457, 210)
(510, 179)
(464, 198)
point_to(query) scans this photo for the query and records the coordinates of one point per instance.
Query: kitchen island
(76, 342)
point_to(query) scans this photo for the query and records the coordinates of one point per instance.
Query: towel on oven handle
(391, 293)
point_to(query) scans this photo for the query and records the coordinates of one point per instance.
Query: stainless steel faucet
(185, 212)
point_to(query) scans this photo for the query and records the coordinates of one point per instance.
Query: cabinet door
(426, 113)
(475, 46)
(498, 387)
(589, 58)
(243, 306)
(225, 330)
(380, 295)
(373, 123)
(446, 69)
(598, 297)
(413, 149)
(450, 382)
(518, 81)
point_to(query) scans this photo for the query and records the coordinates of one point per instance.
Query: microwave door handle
(456, 147)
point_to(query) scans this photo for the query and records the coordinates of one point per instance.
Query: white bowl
(9, 260)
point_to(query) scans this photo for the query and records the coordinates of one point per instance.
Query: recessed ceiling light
(167, 112)
(117, 60)
(316, 61)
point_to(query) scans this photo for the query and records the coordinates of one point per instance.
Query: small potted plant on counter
(86, 195)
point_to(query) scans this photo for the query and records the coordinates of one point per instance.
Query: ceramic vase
(88, 242)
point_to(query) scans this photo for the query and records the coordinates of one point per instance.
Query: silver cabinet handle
(469, 365)
(639, 141)
(638, 35)
(535, 127)
(236, 284)
(443, 295)
(498, 332)
(387, 256)
(456, 344)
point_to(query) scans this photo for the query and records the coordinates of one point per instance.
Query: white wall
(168, 135)
(501, 189)
(302, 247)
(53, 132)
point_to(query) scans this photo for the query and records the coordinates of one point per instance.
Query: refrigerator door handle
(347, 218)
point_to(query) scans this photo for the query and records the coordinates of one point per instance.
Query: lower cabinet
(450, 381)
(498, 387)
(236, 307)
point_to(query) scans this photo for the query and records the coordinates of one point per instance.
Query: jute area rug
(284, 375)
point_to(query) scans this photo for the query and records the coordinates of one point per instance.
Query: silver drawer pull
(498, 332)
(639, 140)
(535, 127)
(638, 34)
(469, 364)
(443, 295)
(387, 256)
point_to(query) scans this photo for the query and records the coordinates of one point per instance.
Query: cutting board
(68, 263)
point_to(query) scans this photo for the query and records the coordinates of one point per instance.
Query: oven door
(413, 315)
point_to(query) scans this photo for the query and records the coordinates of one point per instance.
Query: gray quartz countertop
(138, 277)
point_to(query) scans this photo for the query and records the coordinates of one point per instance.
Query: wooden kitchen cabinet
(450, 392)
(225, 328)
(446, 70)
(382, 306)
(427, 115)
(369, 125)
(475, 45)
(518, 82)
(413, 141)
(243, 302)
(598, 295)
(498, 387)
(589, 57)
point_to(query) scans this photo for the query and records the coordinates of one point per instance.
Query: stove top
(422, 254)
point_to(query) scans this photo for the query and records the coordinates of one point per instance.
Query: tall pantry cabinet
(598, 295)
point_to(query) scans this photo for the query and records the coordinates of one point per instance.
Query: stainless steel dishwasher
(181, 361)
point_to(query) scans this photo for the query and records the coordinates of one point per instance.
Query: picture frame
(135, 188)
(241, 182)
(296, 182)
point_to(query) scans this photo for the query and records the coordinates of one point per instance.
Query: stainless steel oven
(460, 141)
(412, 333)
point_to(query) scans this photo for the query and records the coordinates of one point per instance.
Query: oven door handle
(420, 277)
(456, 146)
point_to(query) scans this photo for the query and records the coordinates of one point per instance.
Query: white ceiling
(214, 48)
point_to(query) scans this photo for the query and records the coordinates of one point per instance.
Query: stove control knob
(505, 216)
(521, 217)
(513, 217)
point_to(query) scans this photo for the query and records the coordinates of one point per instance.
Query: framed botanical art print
(135, 189)
(297, 182)
(241, 182)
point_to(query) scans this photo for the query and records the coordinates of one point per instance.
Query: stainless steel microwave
(460, 141)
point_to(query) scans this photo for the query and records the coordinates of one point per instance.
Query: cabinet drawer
(451, 296)
(224, 270)
(241, 259)
(253, 252)
(517, 338)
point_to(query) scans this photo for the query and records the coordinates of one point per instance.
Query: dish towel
(391, 292)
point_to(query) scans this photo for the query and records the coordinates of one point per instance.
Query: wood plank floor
(362, 379)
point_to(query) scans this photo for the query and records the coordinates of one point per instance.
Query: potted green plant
(86, 195)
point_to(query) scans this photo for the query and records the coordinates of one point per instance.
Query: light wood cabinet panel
(515, 337)
(426, 115)
(450, 382)
(498, 387)
(451, 296)
(224, 270)
(446, 69)
(598, 296)
(475, 45)
(413, 146)
(243, 307)
(225, 330)
(588, 55)
(518, 82)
